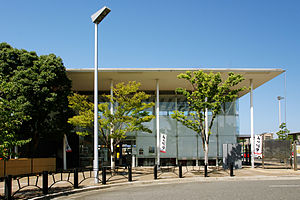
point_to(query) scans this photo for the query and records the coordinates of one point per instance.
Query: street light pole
(279, 109)
(96, 163)
(97, 18)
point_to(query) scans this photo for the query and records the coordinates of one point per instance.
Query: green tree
(207, 97)
(11, 118)
(283, 132)
(42, 84)
(130, 113)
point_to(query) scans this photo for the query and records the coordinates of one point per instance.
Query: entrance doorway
(124, 151)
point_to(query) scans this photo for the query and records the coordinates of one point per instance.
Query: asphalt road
(221, 190)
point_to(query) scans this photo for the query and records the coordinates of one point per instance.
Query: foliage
(40, 87)
(11, 118)
(130, 113)
(283, 132)
(209, 92)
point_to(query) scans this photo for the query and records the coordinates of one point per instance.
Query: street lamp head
(98, 16)
(279, 98)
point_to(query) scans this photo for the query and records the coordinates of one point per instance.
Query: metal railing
(45, 181)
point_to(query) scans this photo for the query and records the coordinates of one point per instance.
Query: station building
(183, 145)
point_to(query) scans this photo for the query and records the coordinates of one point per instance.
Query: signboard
(163, 143)
(258, 144)
(298, 150)
(280, 149)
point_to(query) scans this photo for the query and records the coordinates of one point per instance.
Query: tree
(130, 114)
(42, 84)
(208, 95)
(11, 118)
(283, 132)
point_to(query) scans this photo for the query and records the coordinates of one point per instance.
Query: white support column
(157, 123)
(197, 156)
(279, 112)
(285, 98)
(176, 131)
(217, 135)
(96, 163)
(112, 159)
(16, 152)
(64, 152)
(252, 124)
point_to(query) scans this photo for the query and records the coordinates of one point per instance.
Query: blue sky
(172, 33)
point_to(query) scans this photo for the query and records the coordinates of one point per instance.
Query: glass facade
(183, 144)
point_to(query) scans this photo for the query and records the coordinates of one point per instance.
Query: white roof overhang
(83, 79)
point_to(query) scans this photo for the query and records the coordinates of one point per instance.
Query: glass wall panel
(146, 146)
(187, 147)
(151, 125)
(184, 131)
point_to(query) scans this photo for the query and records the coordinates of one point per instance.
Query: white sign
(258, 144)
(163, 143)
(68, 148)
(298, 149)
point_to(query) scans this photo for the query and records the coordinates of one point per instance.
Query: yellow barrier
(43, 164)
(26, 166)
(1, 168)
(18, 166)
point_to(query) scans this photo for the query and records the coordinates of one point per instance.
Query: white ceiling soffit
(83, 79)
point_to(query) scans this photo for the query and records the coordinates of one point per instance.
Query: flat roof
(243, 136)
(297, 133)
(83, 78)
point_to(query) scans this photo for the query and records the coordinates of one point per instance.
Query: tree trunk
(35, 144)
(206, 153)
(112, 156)
(113, 161)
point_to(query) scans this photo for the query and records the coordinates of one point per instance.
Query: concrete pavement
(210, 190)
(167, 175)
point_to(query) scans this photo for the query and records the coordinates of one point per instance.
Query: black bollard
(205, 170)
(8, 188)
(231, 169)
(103, 175)
(155, 172)
(250, 156)
(129, 173)
(247, 155)
(45, 182)
(75, 178)
(180, 171)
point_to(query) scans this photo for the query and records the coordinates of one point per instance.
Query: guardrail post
(205, 170)
(45, 182)
(75, 178)
(231, 169)
(103, 175)
(180, 171)
(155, 172)
(129, 173)
(8, 181)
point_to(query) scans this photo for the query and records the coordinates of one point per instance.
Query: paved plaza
(142, 176)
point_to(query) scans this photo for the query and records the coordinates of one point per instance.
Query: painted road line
(284, 186)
